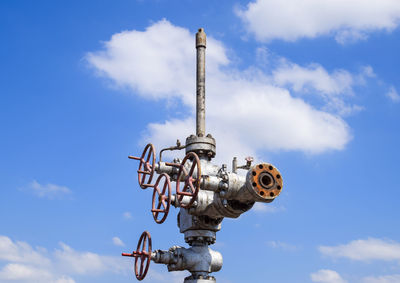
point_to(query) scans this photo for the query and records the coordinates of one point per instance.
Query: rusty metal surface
(163, 197)
(142, 254)
(145, 167)
(191, 186)
(205, 193)
(200, 83)
(266, 180)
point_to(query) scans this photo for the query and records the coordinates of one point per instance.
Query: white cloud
(282, 245)
(327, 276)
(159, 275)
(17, 271)
(246, 111)
(260, 207)
(21, 252)
(26, 264)
(346, 20)
(333, 88)
(77, 262)
(314, 76)
(49, 191)
(393, 95)
(365, 250)
(382, 279)
(127, 215)
(64, 279)
(118, 242)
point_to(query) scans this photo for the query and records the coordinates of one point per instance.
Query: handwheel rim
(161, 196)
(145, 168)
(143, 255)
(188, 180)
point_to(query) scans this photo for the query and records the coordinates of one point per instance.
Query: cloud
(282, 245)
(382, 279)
(27, 264)
(50, 191)
(333, 88)
(327, 276)
(16, 271)
(247, 112)
(393, 95)
(118, 242)
(345, 20)
(365, 250)
(266, 208)
(127, 215)
(156, 275)
(315, 77)
(21, 252)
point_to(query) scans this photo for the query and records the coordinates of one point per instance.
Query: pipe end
(201, 38)
(265, 180)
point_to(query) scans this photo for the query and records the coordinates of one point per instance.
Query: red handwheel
(142, 254)
(146, 166)
(191, 185)
(162, 192)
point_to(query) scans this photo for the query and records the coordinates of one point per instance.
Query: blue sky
(312, 88)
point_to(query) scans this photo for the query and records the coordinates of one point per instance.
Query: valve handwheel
(143, 252)
(146, 166)
(191, 185)
(164, 198)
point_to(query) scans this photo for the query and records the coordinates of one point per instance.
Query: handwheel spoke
(163, 204)
(165, 187)
(157, 189)
(141, 266)
(144, 244)
(184, 171)
(147, 166)
(149, 154)
(194, 165)
(185, 194)
(192, 188)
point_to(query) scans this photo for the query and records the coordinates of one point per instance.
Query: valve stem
(200, 83)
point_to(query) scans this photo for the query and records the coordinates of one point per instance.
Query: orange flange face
(266, 180)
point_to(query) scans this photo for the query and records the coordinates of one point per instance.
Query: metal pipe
(200, 83)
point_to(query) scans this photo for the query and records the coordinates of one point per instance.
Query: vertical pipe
(200, 83)
(234, 165)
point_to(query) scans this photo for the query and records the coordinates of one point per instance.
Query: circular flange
(202, 146)
(266, 180)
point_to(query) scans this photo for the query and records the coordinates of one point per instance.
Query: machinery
(204, 193)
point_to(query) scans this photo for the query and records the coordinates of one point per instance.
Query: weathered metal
(145, 168)
(198, 259)
(201, 83)
(205, 193)
(143, 252)
(163, 197)
(191, 178)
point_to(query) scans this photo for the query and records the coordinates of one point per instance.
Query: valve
(191, 185)
(164, 198)
(145, 167)
(143, 252)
